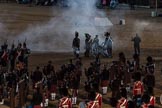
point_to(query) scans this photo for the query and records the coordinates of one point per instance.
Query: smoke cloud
(3, 30)
(140, 26)
(57, 34)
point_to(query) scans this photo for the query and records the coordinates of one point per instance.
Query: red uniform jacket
(5, 56)
(145, 106)
(138, 88)
(92, 104)
(99, 99)
(53, 88)
(122, 103)
(74, 92)
(104, 83)
(65, 102)
(37, 106)
(152, 101)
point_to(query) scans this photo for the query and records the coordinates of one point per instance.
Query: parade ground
(49, 31)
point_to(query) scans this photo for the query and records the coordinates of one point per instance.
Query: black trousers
(137, 50)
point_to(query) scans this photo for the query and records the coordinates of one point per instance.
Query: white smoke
(57, 34)
(1, 27)
(4, 32)
(140, 26)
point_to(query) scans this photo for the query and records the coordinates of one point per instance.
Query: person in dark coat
(36, 76)
(108, 43)
(76, 45)
(145, 101)
(88, 43)
(12, 57)
(104, 79)
(26, 52)
(150, 65)
(137, 41)
(37, 98)
(115, 85)
(48, 70)
(149, 81)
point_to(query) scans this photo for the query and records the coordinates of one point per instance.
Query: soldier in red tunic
(52, 84)
(65, 101)
(92, 101)
(152, 101)
(138, 88)
(123, 102)
(98, 98)
(152, 98)
(145, 100)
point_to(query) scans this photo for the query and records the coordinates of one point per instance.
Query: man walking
(137, 41)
